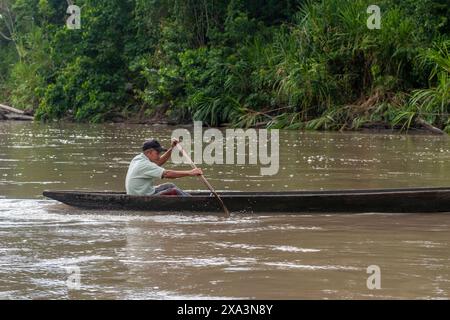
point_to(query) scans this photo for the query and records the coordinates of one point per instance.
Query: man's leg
(170, 187)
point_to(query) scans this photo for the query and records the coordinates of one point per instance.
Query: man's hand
(175, 142)
(196, 172)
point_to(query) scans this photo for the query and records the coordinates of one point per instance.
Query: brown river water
(125, 255)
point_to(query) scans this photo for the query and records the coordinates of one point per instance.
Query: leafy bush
(284, 64)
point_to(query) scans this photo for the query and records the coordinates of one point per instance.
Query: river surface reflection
(131, 256)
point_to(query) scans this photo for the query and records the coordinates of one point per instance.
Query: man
(146, 167)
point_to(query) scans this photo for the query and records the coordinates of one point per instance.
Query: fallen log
(429, 127)
(11, 109)
(10, 113)
(18, 117)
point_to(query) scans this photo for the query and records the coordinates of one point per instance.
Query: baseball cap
(153, 144)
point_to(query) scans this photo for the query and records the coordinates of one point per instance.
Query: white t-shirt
(141, 175)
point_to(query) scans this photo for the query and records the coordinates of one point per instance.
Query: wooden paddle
(202, 177)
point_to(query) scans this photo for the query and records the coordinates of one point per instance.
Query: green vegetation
(277, 63)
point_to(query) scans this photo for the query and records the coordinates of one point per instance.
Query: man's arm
(163, 159)
(172, 174)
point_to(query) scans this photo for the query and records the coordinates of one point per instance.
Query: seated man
(146, 167)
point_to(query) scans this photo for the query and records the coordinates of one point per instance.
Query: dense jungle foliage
(299, 64)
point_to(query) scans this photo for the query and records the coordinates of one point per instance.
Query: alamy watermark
(73, 281)
(231, 148)
(374, 20)
(74, 20)
(374, 280)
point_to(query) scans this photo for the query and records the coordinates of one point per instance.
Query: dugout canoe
(411, 200)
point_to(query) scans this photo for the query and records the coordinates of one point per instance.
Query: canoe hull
(345, 201)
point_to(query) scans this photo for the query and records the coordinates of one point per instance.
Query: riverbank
(421, 127)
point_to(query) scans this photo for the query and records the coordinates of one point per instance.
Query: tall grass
(433, 103)
(323, 69)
